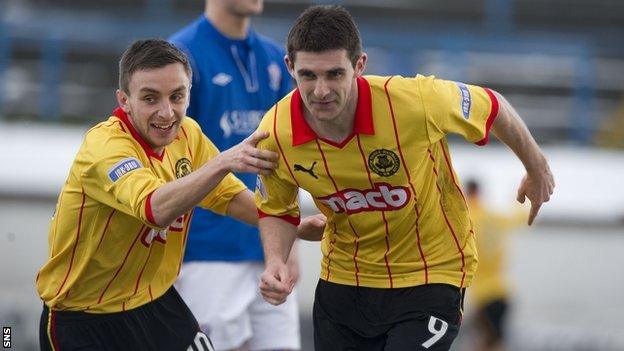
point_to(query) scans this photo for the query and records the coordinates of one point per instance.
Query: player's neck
(233, 27)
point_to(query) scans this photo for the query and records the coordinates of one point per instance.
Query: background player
(238, 75)
(489, 292)
(119, 230)
(399, 246)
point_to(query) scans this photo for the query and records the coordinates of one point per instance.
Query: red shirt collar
(363, 124)
(119, 113)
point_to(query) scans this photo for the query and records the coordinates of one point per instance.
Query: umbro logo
(222, 79)
(310, 170)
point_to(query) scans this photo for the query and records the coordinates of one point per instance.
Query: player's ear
(360, 65)
(289, 65)
(122, 100)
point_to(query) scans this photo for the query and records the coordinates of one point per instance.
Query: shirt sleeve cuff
(290, 219)
(491, 117)
(149, 215)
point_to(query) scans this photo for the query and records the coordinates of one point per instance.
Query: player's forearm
(511, 130)
(243, 208)
(179, 196)
(277, 238)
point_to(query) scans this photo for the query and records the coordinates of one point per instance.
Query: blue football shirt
(234, 83)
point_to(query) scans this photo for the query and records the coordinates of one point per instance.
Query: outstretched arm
(538, 183)
(179, 196)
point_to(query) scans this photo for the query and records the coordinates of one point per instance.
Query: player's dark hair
(321, 28)
(149, 54)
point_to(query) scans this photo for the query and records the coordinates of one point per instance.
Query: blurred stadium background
(560, 62)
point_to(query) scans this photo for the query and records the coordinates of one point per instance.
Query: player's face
(156, 103)
(244, 8)
(326, 81)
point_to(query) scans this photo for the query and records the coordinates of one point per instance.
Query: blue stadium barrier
(401, 44)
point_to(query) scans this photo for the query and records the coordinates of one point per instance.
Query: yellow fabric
(492, 232)
(104, 254)
(408, 223)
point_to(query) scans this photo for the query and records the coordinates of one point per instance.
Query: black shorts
(491, 319)
(163, 324)
(425, 317)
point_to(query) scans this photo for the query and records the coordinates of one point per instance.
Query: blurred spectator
(489, 293)
(611, 133)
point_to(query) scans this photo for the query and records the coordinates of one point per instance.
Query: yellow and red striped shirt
(105, 252)
(396, 214)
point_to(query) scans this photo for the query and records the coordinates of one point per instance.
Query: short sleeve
(455, 107)
(275, 195)
(277, 198)
(117, 177)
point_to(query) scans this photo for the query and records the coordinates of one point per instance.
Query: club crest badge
(384, 162)
(183, 167)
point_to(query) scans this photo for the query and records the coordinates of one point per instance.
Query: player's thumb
(285, 278)
(521, 197)
(257, 136)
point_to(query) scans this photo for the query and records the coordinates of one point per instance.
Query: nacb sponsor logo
(383, 197)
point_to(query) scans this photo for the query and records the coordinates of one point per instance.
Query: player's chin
(325, 114)
(163, 140)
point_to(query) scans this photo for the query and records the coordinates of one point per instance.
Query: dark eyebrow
(304, 71)
(180, 88)
(154, 91)
(336, 70)
(148, 90)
